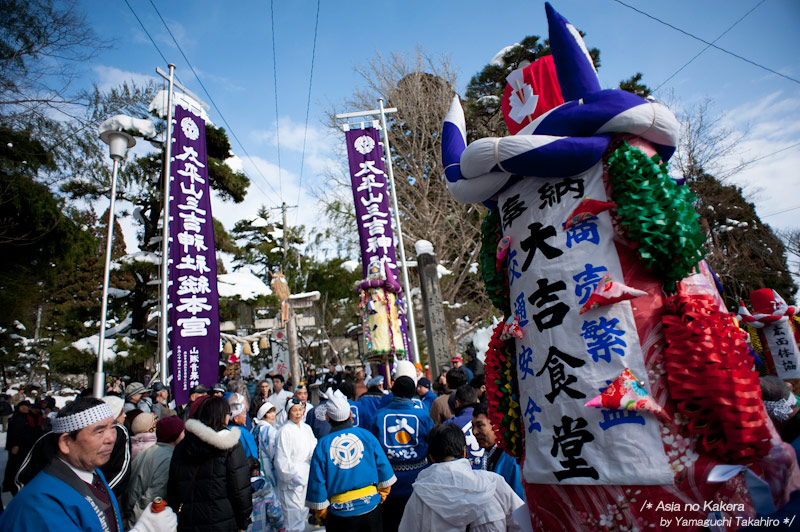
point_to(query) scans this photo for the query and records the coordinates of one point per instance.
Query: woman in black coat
(209, 478)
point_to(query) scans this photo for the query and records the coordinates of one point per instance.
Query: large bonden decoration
(594, 256)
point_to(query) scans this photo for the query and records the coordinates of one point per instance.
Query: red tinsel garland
(711, 379)
(503, 394)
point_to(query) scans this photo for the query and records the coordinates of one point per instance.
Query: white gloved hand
(163, 521)
(297, 480)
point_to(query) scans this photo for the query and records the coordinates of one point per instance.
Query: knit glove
(163, 521)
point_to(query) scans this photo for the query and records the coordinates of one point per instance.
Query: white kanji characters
(193, 304)
(190, 171)
(374, 211)
(192, 222)
(188, 240)
(375, 243)
(193, 326)
(368, 167)
(195, 263)
(371, 199)
(191, 191)
(376, 226)
(192, 204)
(191, 154)
(193, 285)
(368, 182)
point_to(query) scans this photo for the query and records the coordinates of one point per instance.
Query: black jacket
(209, 480)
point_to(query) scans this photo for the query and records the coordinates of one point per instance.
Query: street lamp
(119, 141)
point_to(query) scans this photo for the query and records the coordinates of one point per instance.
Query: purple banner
(373, 216)
(193, 299)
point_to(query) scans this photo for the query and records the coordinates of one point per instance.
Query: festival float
(618, 378)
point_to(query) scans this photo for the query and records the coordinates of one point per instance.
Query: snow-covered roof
(242, 284)
(90, 343)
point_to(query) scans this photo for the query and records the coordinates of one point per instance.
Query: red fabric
(541, 76)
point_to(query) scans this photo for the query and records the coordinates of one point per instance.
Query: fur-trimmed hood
(222, 440)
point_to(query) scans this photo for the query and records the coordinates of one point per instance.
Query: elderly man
(161, 400)
(70, 494)
(350, 474)
(133, 396)
(238, 419)
(301, 394)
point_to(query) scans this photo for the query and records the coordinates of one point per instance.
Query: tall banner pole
(412, 330)
(164, 323)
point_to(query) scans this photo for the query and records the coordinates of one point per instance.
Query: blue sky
(230, 45)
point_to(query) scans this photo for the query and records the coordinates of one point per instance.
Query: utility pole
(291, 327)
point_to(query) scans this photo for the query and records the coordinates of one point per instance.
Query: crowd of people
(260, 456)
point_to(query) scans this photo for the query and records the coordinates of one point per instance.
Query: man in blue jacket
(402, 430)
(495, 459)
(425, 393)
(350, 474)
(70, 494)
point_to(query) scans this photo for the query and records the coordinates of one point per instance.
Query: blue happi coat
(356, 417)
(464, 421)
(346, 459)
(248, 441)
(402, 430)
(502, 463)
(48, 503)
(386, 399)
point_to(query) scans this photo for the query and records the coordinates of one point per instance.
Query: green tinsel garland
(496, 282)
(657, 213)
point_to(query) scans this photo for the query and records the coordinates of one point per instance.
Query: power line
(707, 47)
(150, 37)
(706, 42)
(275, 84)
(781, 211)
(308, 106)
(213, 103)
(775, 152)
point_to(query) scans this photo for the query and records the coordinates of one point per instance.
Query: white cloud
(773, 134)
(109, 77)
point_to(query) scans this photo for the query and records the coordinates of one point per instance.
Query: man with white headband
(781, 406)
(350, 475)
(70, 494)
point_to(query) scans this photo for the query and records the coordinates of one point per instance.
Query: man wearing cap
(425, 393)
(161, 400)
(458, 362)
(194, 394)
(350, 474)
(402, 430)
(133, 394)
(70, 493)
(150, 471)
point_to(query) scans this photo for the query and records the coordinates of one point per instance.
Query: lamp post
(118, 143)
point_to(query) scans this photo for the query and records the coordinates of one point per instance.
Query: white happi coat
(293, 450)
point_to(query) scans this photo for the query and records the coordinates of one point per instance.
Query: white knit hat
(337, 407)
(405, 368)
